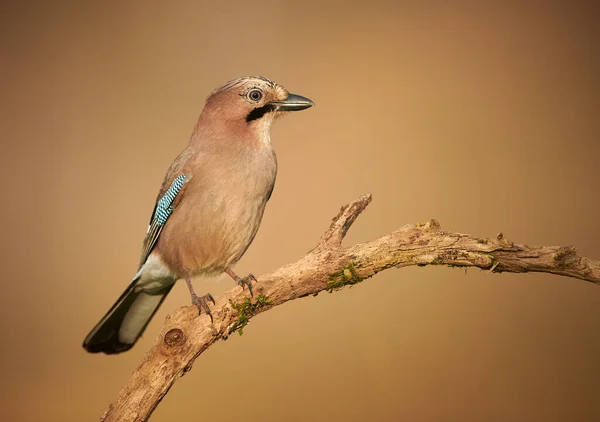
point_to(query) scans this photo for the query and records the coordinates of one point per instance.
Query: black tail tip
(109, 347)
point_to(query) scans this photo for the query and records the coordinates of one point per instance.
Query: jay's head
(252, 101)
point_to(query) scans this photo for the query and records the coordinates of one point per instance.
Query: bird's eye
(255, 95)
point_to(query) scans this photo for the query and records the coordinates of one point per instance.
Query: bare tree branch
(328, 267)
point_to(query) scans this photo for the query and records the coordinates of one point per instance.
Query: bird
(208, 209)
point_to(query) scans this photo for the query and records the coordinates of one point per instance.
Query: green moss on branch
(346, 276)
(245, 310)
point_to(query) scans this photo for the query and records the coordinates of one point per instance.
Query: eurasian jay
(208, 209)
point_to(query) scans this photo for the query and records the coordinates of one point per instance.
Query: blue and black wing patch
(163, 209)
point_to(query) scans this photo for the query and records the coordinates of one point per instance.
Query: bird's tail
(126, 320)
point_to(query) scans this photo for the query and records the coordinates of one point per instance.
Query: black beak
(293, 103)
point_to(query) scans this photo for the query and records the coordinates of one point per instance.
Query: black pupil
(255, 95)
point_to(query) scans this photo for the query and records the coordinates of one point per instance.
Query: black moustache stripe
(258, 112)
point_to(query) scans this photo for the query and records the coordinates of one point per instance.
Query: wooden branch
(327, 267)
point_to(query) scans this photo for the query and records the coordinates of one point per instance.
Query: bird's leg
(201, 302)
(245, 281)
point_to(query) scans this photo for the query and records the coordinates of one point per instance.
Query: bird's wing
(169, 196)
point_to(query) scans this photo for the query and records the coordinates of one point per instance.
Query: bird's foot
(247, 281)
(242, 281)
(201, 302)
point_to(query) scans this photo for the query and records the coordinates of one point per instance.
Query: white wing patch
(137, 316)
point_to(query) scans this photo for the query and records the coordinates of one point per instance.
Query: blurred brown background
(485, 118)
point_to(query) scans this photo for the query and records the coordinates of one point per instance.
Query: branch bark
(329, 266)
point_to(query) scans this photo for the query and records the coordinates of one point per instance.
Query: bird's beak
(293, 103)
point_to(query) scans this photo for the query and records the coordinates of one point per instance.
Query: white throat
(263, 128)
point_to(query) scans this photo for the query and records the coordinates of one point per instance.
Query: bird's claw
(201, 302)
(247, 281)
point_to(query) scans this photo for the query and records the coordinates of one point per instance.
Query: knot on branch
(566, 257)
(174, 337)
(433, 225)
(502, 240)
